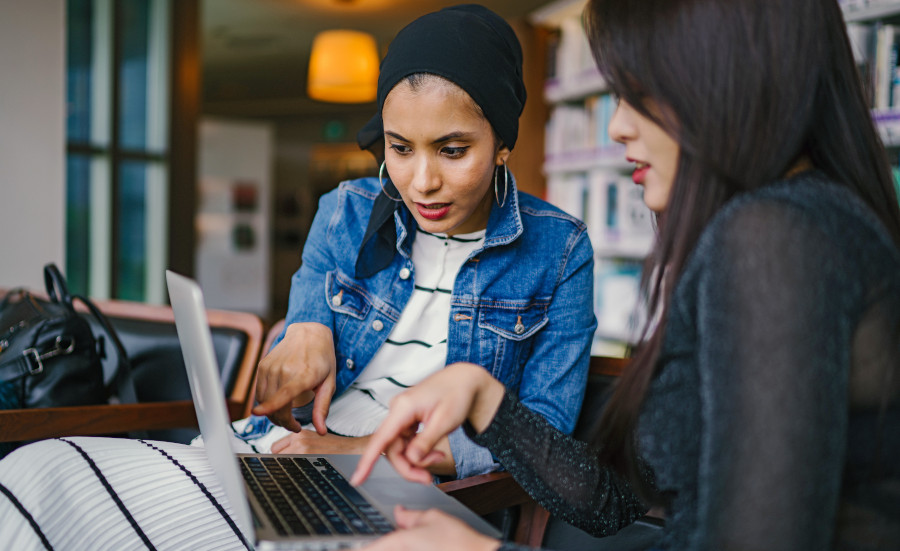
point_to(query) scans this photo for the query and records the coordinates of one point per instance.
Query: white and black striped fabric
(109, 493)
(417, 345)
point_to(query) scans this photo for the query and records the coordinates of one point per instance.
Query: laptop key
(290, 506)
(253, 485)
(375, 518)
(352, 506)
(304, 499)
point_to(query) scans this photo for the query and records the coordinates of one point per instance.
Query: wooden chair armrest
(34, 424)
(608, 365)
(486, 493)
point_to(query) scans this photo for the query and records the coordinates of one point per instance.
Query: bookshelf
(868, 10)
(874, 30)
(588, 176)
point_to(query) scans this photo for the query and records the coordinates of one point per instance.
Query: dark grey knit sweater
(765, 427)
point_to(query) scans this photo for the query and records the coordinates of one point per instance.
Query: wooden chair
(492, 492)
(149, 336)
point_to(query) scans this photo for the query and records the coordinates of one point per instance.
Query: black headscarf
(468, 45)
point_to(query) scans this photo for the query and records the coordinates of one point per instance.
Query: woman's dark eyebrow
(395, 136)
(449, 137)
(452, 136)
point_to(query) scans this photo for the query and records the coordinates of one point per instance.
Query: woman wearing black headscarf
(439, 259)
(378, 303)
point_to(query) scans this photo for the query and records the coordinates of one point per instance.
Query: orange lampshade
(343, 67)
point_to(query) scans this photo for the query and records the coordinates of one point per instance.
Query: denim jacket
(521, 306)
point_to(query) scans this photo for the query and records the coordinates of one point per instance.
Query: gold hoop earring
(505, 185)
(381, 181)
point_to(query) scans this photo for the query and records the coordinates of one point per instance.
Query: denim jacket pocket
(507, 332)
(513, 321)
(344, 296)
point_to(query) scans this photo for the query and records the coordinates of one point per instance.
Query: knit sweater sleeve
(558, 471)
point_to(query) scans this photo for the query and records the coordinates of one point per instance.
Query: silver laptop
(291, 501)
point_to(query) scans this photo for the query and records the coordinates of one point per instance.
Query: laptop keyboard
(301, 499)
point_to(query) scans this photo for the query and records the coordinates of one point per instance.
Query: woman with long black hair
(761, 409)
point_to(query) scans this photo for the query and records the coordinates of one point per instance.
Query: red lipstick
(640, 171)
(639, 175)
(433, 211)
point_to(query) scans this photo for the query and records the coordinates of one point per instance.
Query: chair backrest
(272, 334)
(554, 533)
(603, 373)
(149, 337)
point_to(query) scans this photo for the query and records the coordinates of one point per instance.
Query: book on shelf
(573, 52)
(856, 5)
(861, 42)
(876, 50)
(619, 224)
(616, 299)
(569, 192)
(885, 66)
(579, 127)
(552, 49)
(847, 5)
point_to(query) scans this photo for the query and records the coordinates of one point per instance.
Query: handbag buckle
(33, 359)
(36, 361)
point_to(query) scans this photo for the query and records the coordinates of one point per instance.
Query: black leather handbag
(49, 356)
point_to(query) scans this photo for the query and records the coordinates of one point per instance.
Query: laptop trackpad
(389, 489)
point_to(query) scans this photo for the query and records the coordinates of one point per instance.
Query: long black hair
(747, 88)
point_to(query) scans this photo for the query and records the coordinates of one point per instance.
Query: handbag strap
(123, 377)
(30, 361)
(56, 284)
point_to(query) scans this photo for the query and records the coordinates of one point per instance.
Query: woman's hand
(433, 530)
(441, 403)
(301, 368)
(310, 442)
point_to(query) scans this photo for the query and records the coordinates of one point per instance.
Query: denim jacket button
(350, 364)
(519, 329)
(377, 325)
(336, 300)
(404, 273)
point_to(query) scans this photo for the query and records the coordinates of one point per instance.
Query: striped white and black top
(113, 493)
(417, 346)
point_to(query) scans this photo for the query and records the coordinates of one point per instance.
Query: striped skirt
(109, 493)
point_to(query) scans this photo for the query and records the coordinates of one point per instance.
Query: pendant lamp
(343, 67)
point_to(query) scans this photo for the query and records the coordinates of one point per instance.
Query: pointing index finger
(283, 397)
(390, 430)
